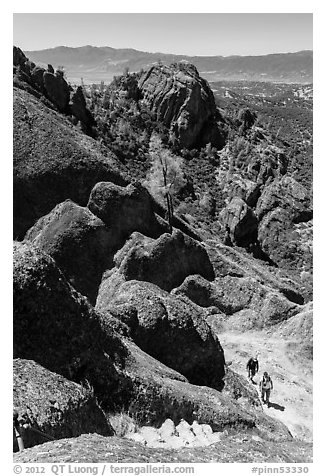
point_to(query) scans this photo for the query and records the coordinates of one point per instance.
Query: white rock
(167, 430)
(214, 437)
(197, 429)
(207, 429)
(184, 431)
(135, 437)
(150, 434)
(176, 442)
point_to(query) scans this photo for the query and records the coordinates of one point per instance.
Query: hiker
(266, 385)
(17, 431)
(252, 367)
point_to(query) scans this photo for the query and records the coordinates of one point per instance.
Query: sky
(179, 33)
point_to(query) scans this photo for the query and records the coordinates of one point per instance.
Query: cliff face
(184, 102)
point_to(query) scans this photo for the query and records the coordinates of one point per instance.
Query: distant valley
(96, 64)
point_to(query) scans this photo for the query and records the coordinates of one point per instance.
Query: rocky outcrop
(235, 262)
(246, 119)
(53, 161)
(165, 262)
(240, 221)
(48, 403)
(57, 327)
(171, 329)
(282, 205)
(79, 109)
(126, 86)
(298, 330)
(57, 90)
(126, 209)
(184, 102)
(79, 242)
(248, 303)
(288, 194)
(53, 86)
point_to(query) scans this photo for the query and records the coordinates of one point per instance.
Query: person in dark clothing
(252, 367)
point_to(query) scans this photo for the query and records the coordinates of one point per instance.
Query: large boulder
(250, 303)
(235, 262)
(57, 89)
(19, 58)
(79, 242)
(283, 241)
(166, 261)
(288, 194)
(127, 209)
(49, 403)
(58, 328)
(171, 329)
(282, 206)
(240, 221)
(53, 161)
(184, 102)
(79, 109)
(246, 118)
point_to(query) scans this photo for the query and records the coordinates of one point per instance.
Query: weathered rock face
(79, 109)
(282, 205)
(250, 303)
(299, 331)
(57, 90)
(79, 242)
(49, 403)
(240, 221)
(127, 209)
(19, 59)
(184, 102)
(246, 118)
(57, 327)
(54, 87)
(171, 329)
(126, 86)
(165, 262)
(234, 262)
(72, 167)
(288, 194)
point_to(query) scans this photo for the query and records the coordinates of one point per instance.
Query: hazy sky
(179, 33)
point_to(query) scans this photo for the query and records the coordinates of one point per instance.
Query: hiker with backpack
(252, 367)
(266, 386)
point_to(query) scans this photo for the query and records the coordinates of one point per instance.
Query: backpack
(267, 383)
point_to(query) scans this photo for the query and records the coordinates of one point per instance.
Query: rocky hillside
(114, 312)
(96, 64)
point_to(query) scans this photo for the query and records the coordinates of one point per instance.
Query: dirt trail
(292, 395)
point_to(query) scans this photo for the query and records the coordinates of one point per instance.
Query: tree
(165, 177)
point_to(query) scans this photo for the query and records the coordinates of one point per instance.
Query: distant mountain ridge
(95, 64)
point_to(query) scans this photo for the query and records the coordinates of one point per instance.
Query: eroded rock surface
(73, 164)
(184, 102)
(166, 261)
(79, 242)
(171, 329)
(50, 403)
